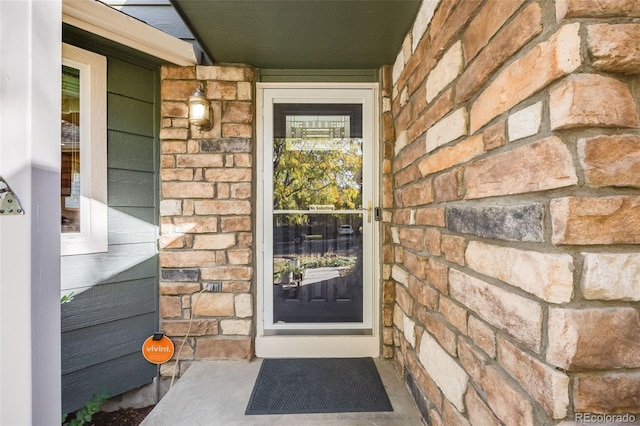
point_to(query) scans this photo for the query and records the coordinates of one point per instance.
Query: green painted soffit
(300, 34)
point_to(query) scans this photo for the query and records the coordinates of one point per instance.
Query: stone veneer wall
(207, 224)
(513, 222)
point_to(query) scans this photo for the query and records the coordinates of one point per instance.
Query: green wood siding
(110, 267)
(129, 115)
(129, 225)
(126, 366)
(122, 337)
(114, 308)
(130, 152)
(130, 188)
(136, 83)
(84, 314)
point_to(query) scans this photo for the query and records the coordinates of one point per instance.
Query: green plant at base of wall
(85, 414)
(66, 298)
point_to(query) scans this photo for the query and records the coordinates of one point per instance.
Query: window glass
(70, 150)
(83, 152)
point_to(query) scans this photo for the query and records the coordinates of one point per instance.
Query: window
(83, 152)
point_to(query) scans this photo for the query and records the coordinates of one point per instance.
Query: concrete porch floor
(213, 393)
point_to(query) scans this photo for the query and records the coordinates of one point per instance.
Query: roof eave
(102, 20)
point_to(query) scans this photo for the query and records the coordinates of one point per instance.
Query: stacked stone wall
(207, 225)
(512, 222)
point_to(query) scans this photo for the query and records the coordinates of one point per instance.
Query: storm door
(318, 211)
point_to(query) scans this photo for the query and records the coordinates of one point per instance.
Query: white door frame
(333, 345)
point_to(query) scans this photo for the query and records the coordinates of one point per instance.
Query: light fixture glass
(200, 110)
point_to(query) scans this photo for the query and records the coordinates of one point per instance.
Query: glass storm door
(317, 271)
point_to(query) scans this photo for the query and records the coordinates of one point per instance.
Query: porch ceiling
(300, 34)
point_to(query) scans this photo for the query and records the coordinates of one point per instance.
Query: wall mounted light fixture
(200, 110)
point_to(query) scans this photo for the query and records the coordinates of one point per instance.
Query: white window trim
(93, 237)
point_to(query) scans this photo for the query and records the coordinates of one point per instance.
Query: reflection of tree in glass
(322, 172)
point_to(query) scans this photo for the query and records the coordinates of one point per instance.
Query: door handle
(368, 209)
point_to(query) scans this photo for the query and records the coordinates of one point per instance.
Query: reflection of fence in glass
(315, 233)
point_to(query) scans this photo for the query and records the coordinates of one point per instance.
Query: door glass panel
(317, 213)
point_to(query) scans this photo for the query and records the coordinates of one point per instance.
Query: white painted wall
(30, 40)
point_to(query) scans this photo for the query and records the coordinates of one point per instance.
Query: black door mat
(318, 385)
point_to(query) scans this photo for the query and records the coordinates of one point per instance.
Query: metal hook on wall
(9, 203)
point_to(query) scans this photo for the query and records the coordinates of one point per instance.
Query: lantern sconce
(200, 110)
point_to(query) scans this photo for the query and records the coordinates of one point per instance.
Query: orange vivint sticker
(157, 351)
